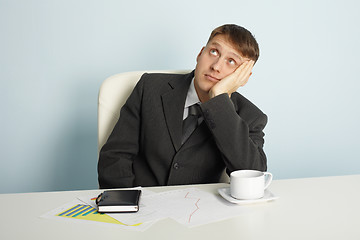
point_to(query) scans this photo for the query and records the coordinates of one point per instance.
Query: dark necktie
(191, 122)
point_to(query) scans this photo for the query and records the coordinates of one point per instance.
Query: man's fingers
(243, 72)
(249, 65)
(246, 80)
(245, 68)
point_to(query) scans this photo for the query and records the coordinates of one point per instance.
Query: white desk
(309, 208)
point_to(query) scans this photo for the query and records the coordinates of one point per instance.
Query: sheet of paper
(193, 207)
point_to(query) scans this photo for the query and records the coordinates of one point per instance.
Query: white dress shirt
(191, 99)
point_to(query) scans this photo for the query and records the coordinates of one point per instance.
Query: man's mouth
(212, 78)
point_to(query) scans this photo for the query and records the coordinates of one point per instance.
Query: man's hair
(241, 38)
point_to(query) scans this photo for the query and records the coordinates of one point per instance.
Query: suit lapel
(173, 103)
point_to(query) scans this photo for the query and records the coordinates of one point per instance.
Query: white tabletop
(309, 208)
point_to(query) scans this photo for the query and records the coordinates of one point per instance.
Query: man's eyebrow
(237, 56)
(216, 44)
(232, 53)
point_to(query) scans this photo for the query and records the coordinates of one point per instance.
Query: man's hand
(233, 81)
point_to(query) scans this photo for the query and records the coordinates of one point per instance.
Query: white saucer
(225, 193)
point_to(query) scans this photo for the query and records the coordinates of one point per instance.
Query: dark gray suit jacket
(145, 148)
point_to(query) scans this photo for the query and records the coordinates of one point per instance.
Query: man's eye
(232, 61)
(213, 52)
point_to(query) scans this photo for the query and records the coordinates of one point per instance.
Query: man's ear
(201, 51)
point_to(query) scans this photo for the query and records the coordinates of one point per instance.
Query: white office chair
(113, 93)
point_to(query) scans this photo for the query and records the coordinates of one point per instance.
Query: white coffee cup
(249, 184)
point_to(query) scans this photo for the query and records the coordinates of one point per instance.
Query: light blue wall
(55, 54)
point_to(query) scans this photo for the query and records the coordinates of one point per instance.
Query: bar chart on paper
(86, 212)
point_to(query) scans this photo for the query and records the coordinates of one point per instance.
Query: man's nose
(218, 64)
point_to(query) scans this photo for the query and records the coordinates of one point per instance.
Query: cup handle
(268, 180)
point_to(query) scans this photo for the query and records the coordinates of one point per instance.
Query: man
(148, 147)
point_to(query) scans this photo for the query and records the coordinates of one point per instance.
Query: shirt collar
(192, 97)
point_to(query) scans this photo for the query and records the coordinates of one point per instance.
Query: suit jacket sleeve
(237, 127)
(115, 166)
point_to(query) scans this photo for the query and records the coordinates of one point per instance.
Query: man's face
(216, 60)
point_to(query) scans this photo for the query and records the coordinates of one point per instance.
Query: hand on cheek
(233, 81)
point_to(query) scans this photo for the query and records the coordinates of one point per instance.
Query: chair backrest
(113, 93)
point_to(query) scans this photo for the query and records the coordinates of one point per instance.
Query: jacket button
(176, 165)
(212, 124)
(206, 113)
